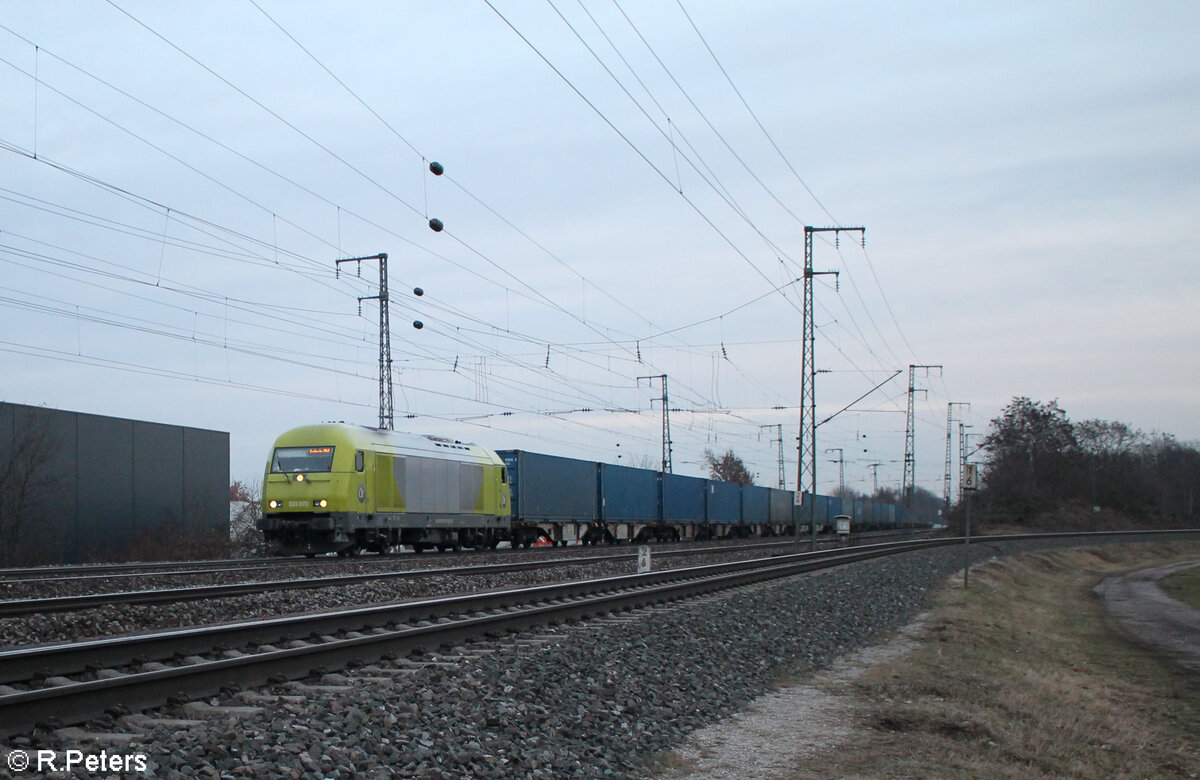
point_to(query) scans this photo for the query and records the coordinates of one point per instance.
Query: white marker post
(970, 484)
(643, 559)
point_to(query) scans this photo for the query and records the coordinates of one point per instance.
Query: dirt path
(1152, 617)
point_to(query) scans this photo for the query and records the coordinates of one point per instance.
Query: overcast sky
(625, 194)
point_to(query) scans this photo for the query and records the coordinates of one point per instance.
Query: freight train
(345, 488)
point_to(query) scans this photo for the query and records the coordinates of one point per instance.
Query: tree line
(1036, 461)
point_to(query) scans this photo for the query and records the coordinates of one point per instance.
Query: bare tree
(644, 461)
(1030, 449)
(244, 536)
(727, 467)
(1039, 463)
(25, 480)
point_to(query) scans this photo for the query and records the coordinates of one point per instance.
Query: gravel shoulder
(762, 741)
(804, 728)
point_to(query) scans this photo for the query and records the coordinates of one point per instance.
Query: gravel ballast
(116, 619)
(599, 699)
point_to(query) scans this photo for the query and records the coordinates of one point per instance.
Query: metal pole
(666, 421)
(908, 483)
(970, 483)
(948, 478)
(386, 408)
(967, 545)
(841, 464)
(808, 377)
(778, 427)
(386, 416)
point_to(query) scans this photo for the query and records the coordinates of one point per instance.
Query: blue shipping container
(628, 495)
(755, 504)
(816, 510)
(682, 499)
(724, 502)
(547, 488)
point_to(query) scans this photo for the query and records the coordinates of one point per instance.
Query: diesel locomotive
(345, 488)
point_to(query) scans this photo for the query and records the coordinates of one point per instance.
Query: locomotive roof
(378, 439)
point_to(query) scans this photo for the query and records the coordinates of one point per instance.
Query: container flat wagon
(553, 497)
(779, 511)
(724, 508)
(629, 502)
(684, 505)
(755, 511)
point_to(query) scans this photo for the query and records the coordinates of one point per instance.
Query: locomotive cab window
(301, 460)
(358, 460)
(503, 475)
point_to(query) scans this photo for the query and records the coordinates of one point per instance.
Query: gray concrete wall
(109, 487)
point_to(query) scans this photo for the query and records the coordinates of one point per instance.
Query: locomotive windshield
(301, 460)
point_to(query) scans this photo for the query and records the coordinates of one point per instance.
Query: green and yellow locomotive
(345, 488)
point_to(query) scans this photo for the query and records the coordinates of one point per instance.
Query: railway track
(61, 684)
(78, 681)
(43, 605)
(19, 607)
(88, 572)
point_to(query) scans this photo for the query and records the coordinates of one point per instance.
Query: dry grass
(1183, 586)
(1023, 676)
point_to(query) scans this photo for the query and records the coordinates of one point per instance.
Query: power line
(623, 352)
(754, 116)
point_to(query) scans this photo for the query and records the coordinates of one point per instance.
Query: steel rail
(216, 566)
(37, 606)
(27, 662)
(142, 568)
(456, 618)
(24, 607)
(17, 607)
(472, 616)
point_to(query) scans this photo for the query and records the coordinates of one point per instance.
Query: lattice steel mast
(778, 427)
(808, 376)
(947, 479)
(386, 415)
(666, 422)
(841, 464)
(910, 450)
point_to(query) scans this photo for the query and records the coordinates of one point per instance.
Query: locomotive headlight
(273, 504)
(299, 477)
(322, 503)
